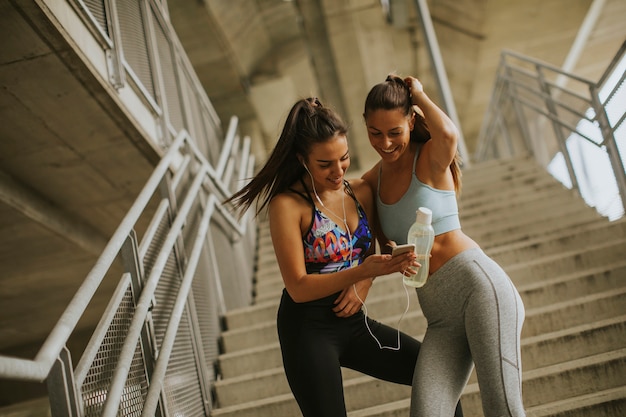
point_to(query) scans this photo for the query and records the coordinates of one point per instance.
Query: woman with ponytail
(473, 310)
(324, 248)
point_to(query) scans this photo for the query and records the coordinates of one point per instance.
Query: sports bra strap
(417, 152)
(306, 196)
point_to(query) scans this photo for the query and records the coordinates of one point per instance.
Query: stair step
(414, 323)
(496, 207)
(492, 236)
(269, 290)
(562, 381)
(602, 372)
(566, 260)
(540, 351)
(390, 299)
(489, 193)
(565, 268)
(560, 346)
(499, 168)
(268, 355)
(526, 211)
(569, 313)
(569, 286)
(563, 240)
(512, 174)
(248, 316)
(606, 403)
(588, 309)
(268, 274)
(283, 405)
(256, 359)
(569, 239)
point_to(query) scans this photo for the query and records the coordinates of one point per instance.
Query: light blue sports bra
(396, 219)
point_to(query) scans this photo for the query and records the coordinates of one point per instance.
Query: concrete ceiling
(256, 58)
(71, 165)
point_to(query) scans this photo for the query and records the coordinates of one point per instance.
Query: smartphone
(400, 249)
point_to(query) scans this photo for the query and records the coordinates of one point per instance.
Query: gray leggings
(475, 316)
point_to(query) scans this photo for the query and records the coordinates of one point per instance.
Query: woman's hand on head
(415, 86)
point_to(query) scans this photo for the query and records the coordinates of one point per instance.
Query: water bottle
(422, 235)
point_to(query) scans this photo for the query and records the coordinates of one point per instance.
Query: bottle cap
(424, 215)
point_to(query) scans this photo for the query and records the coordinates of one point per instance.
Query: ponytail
(307, 123)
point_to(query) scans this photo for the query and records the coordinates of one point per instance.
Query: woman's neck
(403, 164)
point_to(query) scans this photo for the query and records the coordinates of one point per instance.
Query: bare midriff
(448, 245)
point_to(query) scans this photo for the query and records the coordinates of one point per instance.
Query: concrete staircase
(568, 263)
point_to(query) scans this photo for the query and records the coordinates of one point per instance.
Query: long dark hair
(308, 122)
(394, 94)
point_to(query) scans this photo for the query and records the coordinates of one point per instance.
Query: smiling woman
(323, 245)
(474, 312)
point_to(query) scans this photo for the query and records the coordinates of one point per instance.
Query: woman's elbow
(450, 135)
(297, 293)
(451, 131)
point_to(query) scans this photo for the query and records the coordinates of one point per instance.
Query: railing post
(519, 112)
(133, 265)
(62, 391)
(560, 138)
(117, 73)
(608, 139)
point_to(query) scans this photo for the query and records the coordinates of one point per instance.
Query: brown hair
(308, 123)
(394, 94)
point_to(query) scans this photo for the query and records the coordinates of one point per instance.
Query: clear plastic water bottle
(422, 235)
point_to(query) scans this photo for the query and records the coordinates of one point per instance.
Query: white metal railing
(144, 53)
(200, 203)
(171, 255)
(541, 110)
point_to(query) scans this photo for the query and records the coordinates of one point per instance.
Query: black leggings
(315, 344)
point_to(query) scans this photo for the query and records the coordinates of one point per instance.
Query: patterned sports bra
(327, 245)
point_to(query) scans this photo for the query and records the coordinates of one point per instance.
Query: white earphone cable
(345, 223)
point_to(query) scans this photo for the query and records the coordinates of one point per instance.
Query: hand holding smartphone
(400, 249)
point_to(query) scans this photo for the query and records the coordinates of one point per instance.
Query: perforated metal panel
(97, 10)
(181, 386)
(182, 389)
(98, 380)
(195, 117)
(207, 314)
(134, 42)
(168, 73)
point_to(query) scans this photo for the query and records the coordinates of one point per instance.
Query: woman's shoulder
(289, 199)
(361, 190)
(371, 176)
(287, 207)
(294, 198)
(358, 184)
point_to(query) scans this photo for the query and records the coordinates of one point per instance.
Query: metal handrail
(38, 368)
(205, 180)
(142, 307)
(524, 85)
(160, 368)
